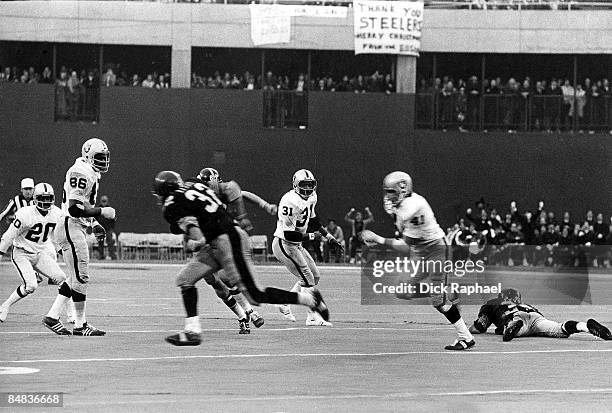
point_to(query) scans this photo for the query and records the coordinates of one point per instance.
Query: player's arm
(348, 218)
(316, 223)
(13, 230)
(369, 216)
(194, 239)
(235, 205)
(77, 196)
(9, 208)
(483, 322)
(371, 238)
(271, 209)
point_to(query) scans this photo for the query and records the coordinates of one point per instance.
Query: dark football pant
(231, 252)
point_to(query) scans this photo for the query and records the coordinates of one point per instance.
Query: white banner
(272, 23)
(269, 25)
(388, 27)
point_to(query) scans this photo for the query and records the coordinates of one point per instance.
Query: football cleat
(184, 338)
(56, 326)
(320, 306)
(512, 330)
(244, 326)
(87, 330)
(3, 313)
(460, 345)
(285, 310)
(254, 316)
(314, 319)
(594, 328)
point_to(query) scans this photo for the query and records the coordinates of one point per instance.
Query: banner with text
(271, 24)
(388, 27)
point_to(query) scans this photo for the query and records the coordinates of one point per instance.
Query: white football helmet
(44, 197)
(304, 183)
(97, 154)
(397, 186)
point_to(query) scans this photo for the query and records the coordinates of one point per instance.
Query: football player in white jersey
(296, 210)
(31, 235)
(78, 204)
(421, 233)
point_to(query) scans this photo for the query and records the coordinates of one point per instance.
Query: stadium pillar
(181, 46)
(405, 74)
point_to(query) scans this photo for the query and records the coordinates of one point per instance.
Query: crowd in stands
(536, 105)
(533, 237)
(375, 82)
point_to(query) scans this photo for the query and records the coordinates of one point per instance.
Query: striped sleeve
(9, 208)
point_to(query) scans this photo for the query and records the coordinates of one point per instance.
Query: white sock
(306, 299)
(244, 303)
(238, 310)
(296, 288)
(193, 324)
(57, 306)
(70, 310)
(13, 298)
(581, 326)
(462, 330)
(79, 314)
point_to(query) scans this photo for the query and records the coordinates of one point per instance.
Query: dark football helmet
(210, 177)
(165, 183)
(511, 294)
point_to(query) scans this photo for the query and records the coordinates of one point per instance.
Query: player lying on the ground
(31, 235)
(422, 235)
(512, 318)
(194, 209)
(232, 196)
(295, 212)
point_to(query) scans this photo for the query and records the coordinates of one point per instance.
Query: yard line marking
(305, 355)
(259, 331)
(200, 398)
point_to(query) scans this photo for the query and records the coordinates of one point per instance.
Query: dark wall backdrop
(352, 141)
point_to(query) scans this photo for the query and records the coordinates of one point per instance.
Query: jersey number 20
(34, 233)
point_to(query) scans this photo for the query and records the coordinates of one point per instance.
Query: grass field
(374, 359)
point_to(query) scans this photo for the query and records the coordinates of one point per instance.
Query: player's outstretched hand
(272, 209)
(99, 232)
(371, 239)
(107, 212)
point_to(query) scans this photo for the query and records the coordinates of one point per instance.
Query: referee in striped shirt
(19, 201)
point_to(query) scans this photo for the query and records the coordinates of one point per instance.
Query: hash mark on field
(308, 355)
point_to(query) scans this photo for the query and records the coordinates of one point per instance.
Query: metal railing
(285, 109)
(513, 112)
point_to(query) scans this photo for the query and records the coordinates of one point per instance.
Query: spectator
(109, 78)
(47, 76)
(109, 227)
(161, 83)
(473, 103)
(345, 85)
(389, 86)
(447, 105)
(581, 102)
(135, 81)
(358, 224)
(359, 85)
(149, 82)
(61, 96)
(567, 115)
(336, 231)
(73, 92)
(6, 75)
(511, 105)
(595, 105)
(301, 83)
(552, 107)
(250, 84)
(461, 108)
(91, 86)
(538, 106)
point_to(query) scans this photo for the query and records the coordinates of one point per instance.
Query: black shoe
(244, 326)
(56, 326)
(461, 345)
(184, 338)
(320, 306)
(598, 330)
(512, 330)
(87, 330)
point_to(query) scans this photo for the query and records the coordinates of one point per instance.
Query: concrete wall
(352, 141)
(217, 25)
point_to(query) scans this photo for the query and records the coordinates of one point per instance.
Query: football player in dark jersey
(194, 209)
(512, 318)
